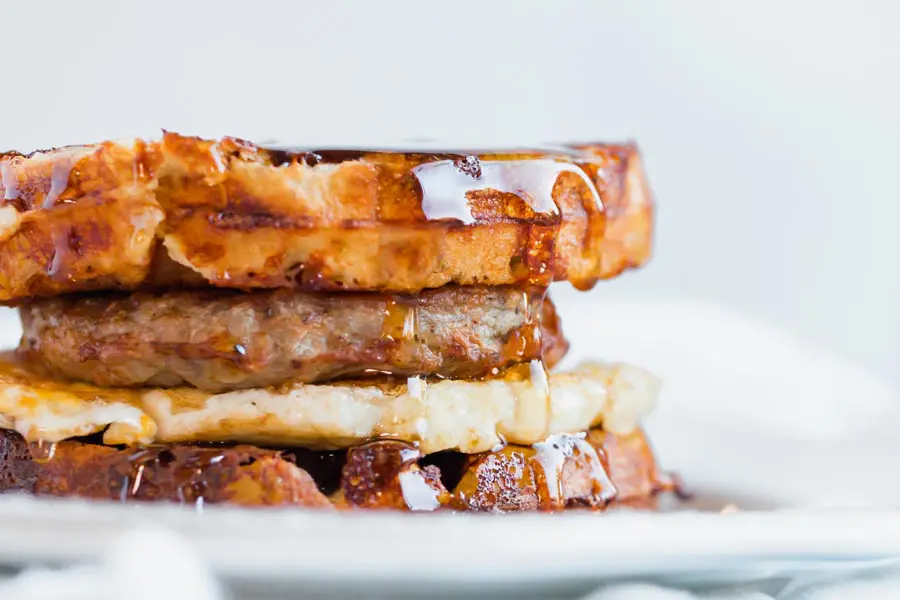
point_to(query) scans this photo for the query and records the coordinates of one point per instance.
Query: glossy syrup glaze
(593, 470)
(233, 214)
(462, 188)
(42, 451)
(241, 216)
(220, 340)
(552, 455)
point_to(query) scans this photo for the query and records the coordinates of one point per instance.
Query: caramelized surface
(593, 470)
(121, 216)
(241, 475)
(218, 340)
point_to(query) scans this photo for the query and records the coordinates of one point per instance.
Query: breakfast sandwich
(212, 321)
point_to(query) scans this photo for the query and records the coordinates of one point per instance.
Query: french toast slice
(184, 210)
(593, 470)
(243, 475)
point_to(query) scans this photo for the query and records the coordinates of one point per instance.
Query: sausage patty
(221, 340)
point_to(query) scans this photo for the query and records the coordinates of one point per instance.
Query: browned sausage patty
(220, 340)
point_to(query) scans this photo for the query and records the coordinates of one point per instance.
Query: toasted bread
(228, 213)
(588, 470)
(593, 470)
(242, 475)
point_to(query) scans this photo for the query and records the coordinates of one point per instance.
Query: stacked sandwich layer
(211, 321)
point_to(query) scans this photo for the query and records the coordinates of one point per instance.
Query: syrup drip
(137, 480)
(126, 487)
(415, 387)
(552, 454)
(419, 496)
(401, 326)
(539, 377)
(446, 184)
(60, 250)
(10, 181)
(448, 188)
(540, 382)
(216, 156)
(526, 340)
(191, 474)
(401, 320)
(42, 452)
(386, 473)
(603, 486)
(59, 181)
(408, 475)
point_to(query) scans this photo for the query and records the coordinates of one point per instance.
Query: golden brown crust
(242, 475)
(119, 216)
(220, 340)
(77, 218)
(386, 474)
(594, 471)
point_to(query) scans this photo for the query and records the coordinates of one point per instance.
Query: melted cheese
(470, 416)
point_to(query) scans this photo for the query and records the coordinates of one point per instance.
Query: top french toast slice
(184, 210)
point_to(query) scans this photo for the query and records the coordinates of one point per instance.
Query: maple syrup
(552, 456)
(42, 452)
(59, 181)
(9, 179)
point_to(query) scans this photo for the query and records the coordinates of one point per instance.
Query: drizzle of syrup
(60, 251)
(138, 477)
(400, 330)
(601, 483)
(450, 191)
(42, 452)
(419, 496)
(415, 387)
(190, 474)
(526, 340)
(447, 185)
(539, 377)
(216, 156)
(552, 455)
(386, 474)
(59, 181)
(417, 493)
(540, 383)
(401, 319)
(394, 474)
(10, 181)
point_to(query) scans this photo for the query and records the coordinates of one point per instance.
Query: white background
(769, 128)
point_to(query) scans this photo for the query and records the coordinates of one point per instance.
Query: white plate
(802, 444)
(517, 555)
